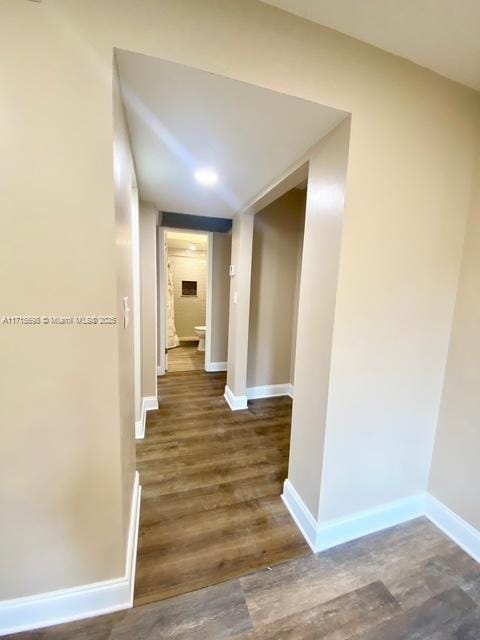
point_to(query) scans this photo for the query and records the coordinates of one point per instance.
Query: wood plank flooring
(186, 357)
(406, 583)
(211, 484)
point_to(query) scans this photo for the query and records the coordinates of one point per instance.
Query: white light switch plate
(126, 313)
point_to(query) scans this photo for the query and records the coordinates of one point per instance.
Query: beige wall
(455, 472)
(189, 311)
(222, 249)
(148, 280)
(324, 213)
(277, 243)
(296, 295)
(124, 184)
(412, 151)
(239, 309)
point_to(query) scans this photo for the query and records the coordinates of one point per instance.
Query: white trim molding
(301, 514)
(140, 429)
(455, 527)
(149, 403)
(216, 366)
(322, 536)
(236, 403)
(330, 534)
(270, 391)
(160, 371)
(77, 603)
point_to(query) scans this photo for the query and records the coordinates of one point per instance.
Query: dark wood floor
(211, 483)
(186, 357)
(406, 583)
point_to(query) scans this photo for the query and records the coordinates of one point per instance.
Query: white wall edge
(455, 527)
(236, 403)
(160, 371)
(77, 603)
(270, 391)
(149, 403)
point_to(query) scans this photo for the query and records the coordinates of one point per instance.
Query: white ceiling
(442, 35)
(182, 119)
(186, 241)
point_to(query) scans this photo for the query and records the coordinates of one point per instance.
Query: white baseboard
(322, 536)
(216, 366)
(301, 514)
(139, 429)
(335, 532)
(160, 371)
(149, 403)
(270, 391)
(462, 533)
(235, 403)
(67, 605)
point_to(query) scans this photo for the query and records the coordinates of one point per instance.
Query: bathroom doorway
(186, 299)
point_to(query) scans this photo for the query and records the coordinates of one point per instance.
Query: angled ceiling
(182, 119)
(441, 35)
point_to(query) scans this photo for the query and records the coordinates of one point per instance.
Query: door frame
(162, 325)
(162, 353)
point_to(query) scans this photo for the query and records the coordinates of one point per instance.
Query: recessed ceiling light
(207, 177)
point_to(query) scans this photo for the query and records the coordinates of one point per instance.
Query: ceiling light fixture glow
(207, 177)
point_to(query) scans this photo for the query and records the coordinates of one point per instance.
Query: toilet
(200, 332)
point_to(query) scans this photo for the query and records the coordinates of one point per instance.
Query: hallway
(211, 483)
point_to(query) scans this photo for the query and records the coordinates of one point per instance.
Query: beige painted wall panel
(222, 249)
(148, 282)
(316, 310)
(277, 237)
(413, 147)
(124, 182)
(396, 292)
(296, 297)
(239, 311)
(455, 472)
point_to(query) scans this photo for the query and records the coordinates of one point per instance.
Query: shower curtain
(172, 338)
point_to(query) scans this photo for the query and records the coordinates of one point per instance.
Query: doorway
(212, 477)
(187, 300)
(184, 299)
